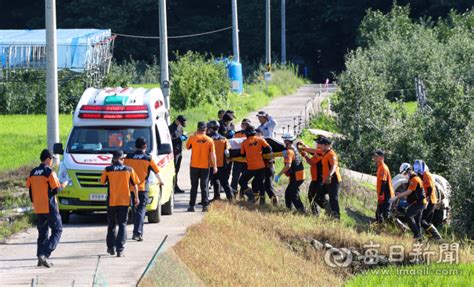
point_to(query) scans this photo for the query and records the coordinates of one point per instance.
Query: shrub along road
(81, 255)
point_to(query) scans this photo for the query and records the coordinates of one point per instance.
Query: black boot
(178, 190)
(433, 232)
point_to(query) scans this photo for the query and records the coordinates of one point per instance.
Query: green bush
(196, 80)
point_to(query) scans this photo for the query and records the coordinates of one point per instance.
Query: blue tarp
(21, 48)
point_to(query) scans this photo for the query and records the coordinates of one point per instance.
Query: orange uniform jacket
(288, 159)
(115, 140)
(238, 135)
(384, 183)
(417, 195)
(221, 144)
(202, 146)
(430, 187)
(328, 160)
(142, 164)
(253, 148)
(316, 166)
(43, 185)
(118, 178)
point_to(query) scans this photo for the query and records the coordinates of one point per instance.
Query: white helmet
(288, 137)
(404, 167)
(419, 166)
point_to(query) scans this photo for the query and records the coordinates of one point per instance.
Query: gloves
(393, 199)
(277, 177)
(183, 138)
(231, 133)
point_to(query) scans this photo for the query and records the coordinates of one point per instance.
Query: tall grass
(241, 245)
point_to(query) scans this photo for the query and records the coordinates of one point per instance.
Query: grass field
(410, 107)
(417, 276)
(242, 245)
(22, 137)
(146, 86)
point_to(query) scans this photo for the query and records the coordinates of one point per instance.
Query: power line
(174, 37)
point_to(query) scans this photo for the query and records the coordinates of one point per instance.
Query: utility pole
(283, 32)
(52, 105)
(235, 31)
(165, 78)
(268, 45)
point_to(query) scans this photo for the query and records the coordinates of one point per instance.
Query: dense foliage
(25, 92)
(319, 33)
(395, 50)
(197, 80)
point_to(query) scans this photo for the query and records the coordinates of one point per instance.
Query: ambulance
(106, 120)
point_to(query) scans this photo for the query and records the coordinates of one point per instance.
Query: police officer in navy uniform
(177, 138)
(43, 185)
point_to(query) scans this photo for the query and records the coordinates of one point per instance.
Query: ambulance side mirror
(165, 149)
(58, 148)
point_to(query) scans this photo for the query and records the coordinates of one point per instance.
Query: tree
(379, 77)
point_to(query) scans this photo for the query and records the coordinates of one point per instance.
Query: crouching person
(416, 199)
(429, 186)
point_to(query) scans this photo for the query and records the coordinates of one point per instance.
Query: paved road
(83, 241)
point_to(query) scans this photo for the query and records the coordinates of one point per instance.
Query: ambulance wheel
(65, 215)
(154, 216)
(168, 207)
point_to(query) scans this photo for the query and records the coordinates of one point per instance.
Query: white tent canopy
(79, 50)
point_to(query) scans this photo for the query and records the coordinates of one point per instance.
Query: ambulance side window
(164, 131)
(158, 139)
(163, 137)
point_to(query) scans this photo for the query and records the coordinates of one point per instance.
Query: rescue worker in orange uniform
(294, 169)
(239, 165)
(118, 178)
(115, 139)
(416, 198)
(222, 146)
(429, 186)
(253, 149)
(316, 185)
(43, 185)
(203, 158)
(384, 187)
(331, 176)
(143, 164)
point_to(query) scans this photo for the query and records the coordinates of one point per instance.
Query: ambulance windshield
(97, 140)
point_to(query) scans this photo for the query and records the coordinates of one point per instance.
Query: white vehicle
(106, 120)
(443, 190)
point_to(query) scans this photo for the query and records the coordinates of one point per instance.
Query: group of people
(126, 185)
(248, 174)
(212, 163)
(418, 200)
